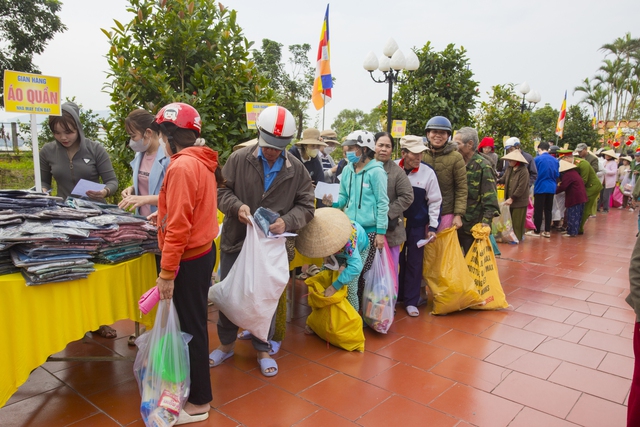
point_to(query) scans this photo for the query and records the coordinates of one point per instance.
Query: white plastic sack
(249, 294)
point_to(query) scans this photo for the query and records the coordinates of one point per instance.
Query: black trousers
(190, 295)
(542, 203)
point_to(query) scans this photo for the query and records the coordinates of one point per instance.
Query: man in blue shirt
(544, 189)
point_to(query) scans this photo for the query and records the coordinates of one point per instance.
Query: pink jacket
(610, 174)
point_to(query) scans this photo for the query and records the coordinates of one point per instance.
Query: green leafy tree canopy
(442, 86)
(181, 51)
(349, 120)
(292, 88)
(26, 26)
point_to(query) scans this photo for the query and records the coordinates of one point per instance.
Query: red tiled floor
(538, 394)
(560, 356)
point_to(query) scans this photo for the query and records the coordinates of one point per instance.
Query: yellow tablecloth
(37, 321)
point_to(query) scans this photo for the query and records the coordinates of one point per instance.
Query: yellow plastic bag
(447, 275)
(484, 270)
(333, 318)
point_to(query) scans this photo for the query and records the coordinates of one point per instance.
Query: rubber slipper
(267, 363)
(106, 332)
(308, 330)
(131, 340)
(275, 347)
(244, 335)
(185, 418)
(412, 311)
(217, 357)
(302, 276)
(312, 270)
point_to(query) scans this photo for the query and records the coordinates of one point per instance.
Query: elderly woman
(399, 191)
(516, 190)
(610, 174)
(363, 197)
(306, 150)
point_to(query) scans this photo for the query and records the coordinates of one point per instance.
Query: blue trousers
(411, 259)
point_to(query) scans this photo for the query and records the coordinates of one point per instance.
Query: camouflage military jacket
(482, 195)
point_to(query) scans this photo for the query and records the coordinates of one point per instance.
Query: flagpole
(324, 104)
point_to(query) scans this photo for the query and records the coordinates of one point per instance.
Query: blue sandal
(217, 357)
(267, 363)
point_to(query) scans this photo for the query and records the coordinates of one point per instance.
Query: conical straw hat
(565, 166)
(325, 234)
(515, 155)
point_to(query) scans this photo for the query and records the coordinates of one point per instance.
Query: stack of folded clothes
(51, 241)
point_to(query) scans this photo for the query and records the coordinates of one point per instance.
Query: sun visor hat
(276, 127)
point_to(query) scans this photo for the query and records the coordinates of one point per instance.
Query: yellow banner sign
(253, 110)
(398, 128)
(31, 93)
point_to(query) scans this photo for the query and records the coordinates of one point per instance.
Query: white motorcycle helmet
(361, 138)
(276, 127)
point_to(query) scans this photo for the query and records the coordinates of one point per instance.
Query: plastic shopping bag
(380, 293)
(162, 369)
(484, 270)
(249, 294)
(333, 318)
(627, 184)
(502, 226)
(529, 220)
(616, 197)
(447, 275)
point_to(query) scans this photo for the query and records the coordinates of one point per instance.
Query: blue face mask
(351, 157)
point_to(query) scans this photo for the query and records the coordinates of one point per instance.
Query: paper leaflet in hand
(264, 217)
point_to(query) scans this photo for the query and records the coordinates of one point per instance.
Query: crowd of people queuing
(441, 180)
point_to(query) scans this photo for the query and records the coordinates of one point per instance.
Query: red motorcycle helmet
(180, 114)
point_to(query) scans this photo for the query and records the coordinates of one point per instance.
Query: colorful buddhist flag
(323, 83)
(562, 116)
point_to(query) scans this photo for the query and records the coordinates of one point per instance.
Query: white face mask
(329, 150)
(138, 146)
(312, 153)
(163, 145)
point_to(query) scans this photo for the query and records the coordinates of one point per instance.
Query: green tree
(349, 120)
(443, 86)
(178, 51)
(292, 88)
(544, 121)
(578, 128)
(501, 116)
(26, 26)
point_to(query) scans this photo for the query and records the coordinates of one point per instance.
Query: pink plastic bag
(616, 197)
(529, 221)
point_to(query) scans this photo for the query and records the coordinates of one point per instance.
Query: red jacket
(573, 186)
(187, 207)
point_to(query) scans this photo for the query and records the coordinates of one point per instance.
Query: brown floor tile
(415, 328)
(97, 420)
(462, 321)
(506, 317)
(609, 326)
(575, 335)
(55, 408)
(337, 394)
(538, 394)
(535, 365)
(38, 382)
(597, 287)
(531, 418)
(268, 403)
(615, 364)
(557, 281)
(591, 381)
(415, 353)
(359, 365)
(464, 343)
(309, 347)
(591, 411)
(295, 377)
(607, 342)
(476, 373)
(84, 347)
(398, 411)
(229, 383)
(620, 314)
(91, 377)
(513, 336)
(505, 355)
(121, 402)
(536, 296)
(580, 306)
(548, 328)
(569, 292)
(373, 341)
(570, 352)
(610, 300)
(544, 311)
(324, 418)
(412, 383)
(476, 407)
(216, 419)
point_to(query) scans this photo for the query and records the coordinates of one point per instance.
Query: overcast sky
(553, 45)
